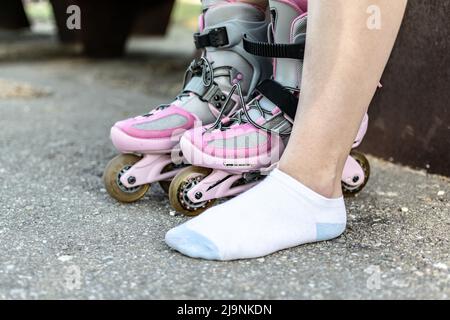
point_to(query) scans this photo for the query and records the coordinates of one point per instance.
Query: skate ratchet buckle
(217, 37)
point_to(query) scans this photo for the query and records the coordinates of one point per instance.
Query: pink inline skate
(236, 152)
(148, 143)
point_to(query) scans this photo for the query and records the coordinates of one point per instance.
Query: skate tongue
(255, 114)
(289, 30)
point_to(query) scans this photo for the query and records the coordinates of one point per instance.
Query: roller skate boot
(237, 151)
(148, 143)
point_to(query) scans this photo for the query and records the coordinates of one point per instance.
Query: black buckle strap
(276, 50)
(217, 37)
(280, 96)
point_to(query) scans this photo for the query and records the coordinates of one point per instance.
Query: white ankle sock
(277, 214)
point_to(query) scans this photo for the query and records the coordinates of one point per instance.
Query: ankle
(324, 181)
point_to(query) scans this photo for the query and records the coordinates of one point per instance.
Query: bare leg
(343, 64)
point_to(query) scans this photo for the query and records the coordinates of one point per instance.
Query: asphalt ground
(63, 236)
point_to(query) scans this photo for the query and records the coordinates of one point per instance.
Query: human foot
(277, 214)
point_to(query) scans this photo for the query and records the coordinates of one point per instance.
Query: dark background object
(12, 15)
(60, 14)
(154, 19)
(107, 24)
(410, 115)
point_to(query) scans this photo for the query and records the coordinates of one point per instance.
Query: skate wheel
(111, 178)
(364, 163)
(184, 181)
